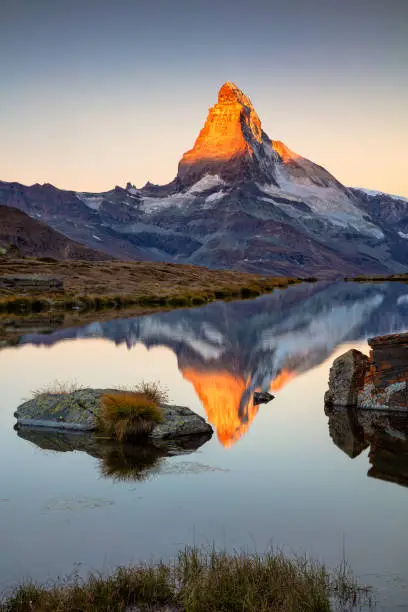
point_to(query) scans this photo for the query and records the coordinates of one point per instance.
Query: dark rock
(346, 380)
(386, 434)
(31, 283)
(262, 397)
(376, 383)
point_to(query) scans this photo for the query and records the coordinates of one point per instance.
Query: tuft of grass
(126, 415)
(130, 462)
(58, 387)
(153, 390)
(202, 581)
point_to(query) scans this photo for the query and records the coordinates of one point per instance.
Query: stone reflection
(119, 462)
(385, 433)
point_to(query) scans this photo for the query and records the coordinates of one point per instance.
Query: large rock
(347, 376)
(80, 409)
(379, 382)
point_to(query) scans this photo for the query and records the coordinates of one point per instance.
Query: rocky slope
(20, 234)
(240, 200)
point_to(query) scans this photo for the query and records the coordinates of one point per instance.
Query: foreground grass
(126, 415)
(115, 284)
(201, 581)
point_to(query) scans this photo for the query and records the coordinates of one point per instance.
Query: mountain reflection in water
(229, 350)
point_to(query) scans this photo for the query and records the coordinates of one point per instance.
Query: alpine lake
(280, 475)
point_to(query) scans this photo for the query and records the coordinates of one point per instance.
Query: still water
(271, 475)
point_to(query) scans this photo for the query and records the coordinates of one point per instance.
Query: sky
(96, 93)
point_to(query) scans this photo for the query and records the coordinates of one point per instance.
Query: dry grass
(118, 284)
(58, 387)
(152, 390)
(126, 415)
(202, 581)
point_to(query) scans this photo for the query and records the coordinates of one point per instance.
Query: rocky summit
(239, 200)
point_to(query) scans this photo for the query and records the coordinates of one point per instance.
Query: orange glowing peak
(221, 394)
(231, 128)
(282, 379)
(285, 153)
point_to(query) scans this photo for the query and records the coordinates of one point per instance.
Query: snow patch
(402, 235)
(330, 203)
(93, 202)
(208, 181)
(372, 192)
(402, 300)
(96, 237)
(215, 197)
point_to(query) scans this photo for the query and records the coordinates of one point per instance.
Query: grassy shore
(201, 581)
(115, 284)
(396, 278)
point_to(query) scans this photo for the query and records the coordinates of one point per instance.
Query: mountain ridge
(239, 200)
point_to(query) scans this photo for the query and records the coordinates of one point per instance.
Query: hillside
(20, 233)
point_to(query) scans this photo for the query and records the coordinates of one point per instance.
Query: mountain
(240, 200)
(229, 350)
(21, 234)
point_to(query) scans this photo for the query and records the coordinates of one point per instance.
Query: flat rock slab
(80, 410)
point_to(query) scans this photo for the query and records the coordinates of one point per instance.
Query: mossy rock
(80, 410)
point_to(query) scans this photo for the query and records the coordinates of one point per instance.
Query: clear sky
(98, 92)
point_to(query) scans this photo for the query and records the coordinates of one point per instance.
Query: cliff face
(377, 383)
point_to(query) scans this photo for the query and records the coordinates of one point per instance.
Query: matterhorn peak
(231, 144)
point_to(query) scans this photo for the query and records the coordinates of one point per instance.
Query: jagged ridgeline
(239, 200)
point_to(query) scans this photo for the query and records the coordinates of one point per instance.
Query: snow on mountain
(240, 200)
(372, 192)
(93, 202)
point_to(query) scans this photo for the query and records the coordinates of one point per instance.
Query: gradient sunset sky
(97, 93)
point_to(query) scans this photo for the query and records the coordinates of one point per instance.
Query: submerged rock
(379, 382)
(80, 410)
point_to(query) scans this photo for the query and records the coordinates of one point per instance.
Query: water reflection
(386, 434)
(230, 350)
(120, 462)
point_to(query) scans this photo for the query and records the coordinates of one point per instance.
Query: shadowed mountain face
(20, 234)
(240, 200)
(229, 350)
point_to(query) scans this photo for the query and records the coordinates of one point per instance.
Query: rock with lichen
(377, 382)
(80, 410)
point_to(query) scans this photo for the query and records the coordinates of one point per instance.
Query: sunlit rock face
(231, 144)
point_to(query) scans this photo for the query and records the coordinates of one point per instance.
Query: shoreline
(96, 286)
